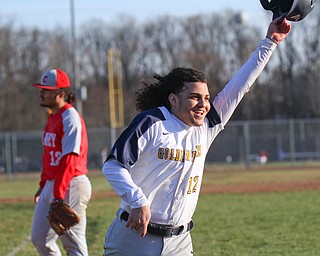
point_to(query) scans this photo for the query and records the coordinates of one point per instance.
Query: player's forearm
(66, 172)
(228, 99)
(122, 183)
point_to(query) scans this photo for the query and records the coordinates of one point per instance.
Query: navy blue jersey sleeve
(213, 116)
(125, 149)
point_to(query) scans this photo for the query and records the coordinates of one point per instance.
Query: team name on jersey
(179, 154)
(49, 139)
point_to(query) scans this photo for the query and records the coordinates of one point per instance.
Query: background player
(156, 165)
(64, 167)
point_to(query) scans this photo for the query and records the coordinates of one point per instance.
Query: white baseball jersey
(159, 160)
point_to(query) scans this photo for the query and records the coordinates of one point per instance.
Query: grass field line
(19, 247)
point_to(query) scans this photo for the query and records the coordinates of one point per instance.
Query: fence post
(8, 155)
(247, 149)
(292, 143)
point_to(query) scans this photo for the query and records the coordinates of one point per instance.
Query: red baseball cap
(53, 79)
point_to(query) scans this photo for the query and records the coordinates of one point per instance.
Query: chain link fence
(241, 142)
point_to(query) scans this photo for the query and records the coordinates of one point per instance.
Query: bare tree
(310, 74)
(216, 44)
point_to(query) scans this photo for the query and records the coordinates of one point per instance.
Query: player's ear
(172, 99)
(61, 94)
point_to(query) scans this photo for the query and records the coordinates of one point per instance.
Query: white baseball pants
(43, 236)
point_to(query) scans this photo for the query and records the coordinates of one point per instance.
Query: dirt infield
(260, 188)
(214, 189)
(272, 179)
(246, 188)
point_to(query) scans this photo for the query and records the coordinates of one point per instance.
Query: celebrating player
(156, 165)
(64, 167)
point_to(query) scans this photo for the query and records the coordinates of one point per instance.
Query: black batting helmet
(293, 10)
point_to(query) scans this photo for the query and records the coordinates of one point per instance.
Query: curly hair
(69, 96)
(156, 94)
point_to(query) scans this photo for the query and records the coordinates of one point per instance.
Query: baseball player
(156, 165)
(64, 167)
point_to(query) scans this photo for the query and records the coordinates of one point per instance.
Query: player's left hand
(36, 195)
(278, 29)
(139, 219)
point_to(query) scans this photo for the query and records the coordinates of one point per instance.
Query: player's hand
(278, 29)
(36, 195)
(139, 219)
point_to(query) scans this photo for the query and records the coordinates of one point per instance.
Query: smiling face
(192, 104)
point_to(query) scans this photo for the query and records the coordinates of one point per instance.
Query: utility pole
(75, 63)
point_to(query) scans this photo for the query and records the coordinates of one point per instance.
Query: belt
(162, 230)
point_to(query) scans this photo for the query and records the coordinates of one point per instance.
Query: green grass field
(276, 223)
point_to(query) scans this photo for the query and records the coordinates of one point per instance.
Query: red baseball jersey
(65, 145)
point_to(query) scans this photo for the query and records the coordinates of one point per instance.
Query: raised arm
(229, 98)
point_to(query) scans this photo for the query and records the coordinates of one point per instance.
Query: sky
(50, 14)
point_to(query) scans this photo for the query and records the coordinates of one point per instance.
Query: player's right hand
(139, 219)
